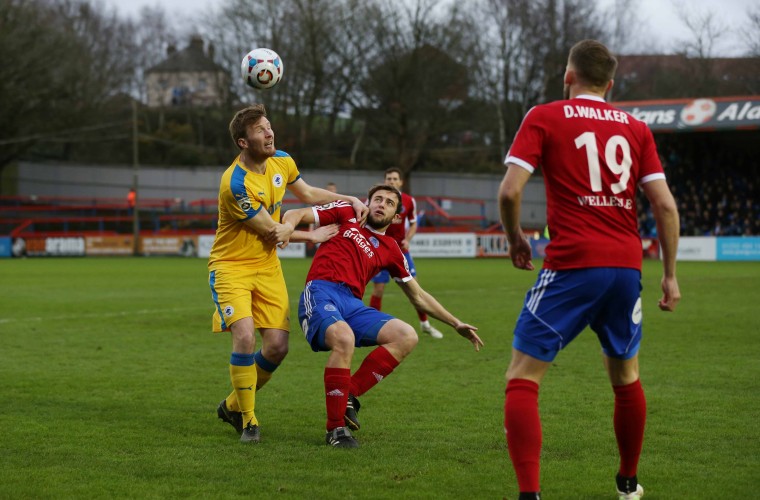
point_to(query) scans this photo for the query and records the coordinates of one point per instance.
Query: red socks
(375, 367)
(629, 420)
(423, 316)
(337, 383)
(523, 426)
(376, 302)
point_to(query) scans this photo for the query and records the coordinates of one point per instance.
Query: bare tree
(623, 22)
(705, 29)
(154, 34)
(53, 86)
(416, 80)
(750, 32)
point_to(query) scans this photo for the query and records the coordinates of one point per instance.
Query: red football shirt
(397, 230)
(355, 254)
(593, 157)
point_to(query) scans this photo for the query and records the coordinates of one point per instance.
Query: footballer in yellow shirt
(247, 285)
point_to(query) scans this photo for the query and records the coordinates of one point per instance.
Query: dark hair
(394, 169)
(244, 118)
(593, 63)
(386, 187)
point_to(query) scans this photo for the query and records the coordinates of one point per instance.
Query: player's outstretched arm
(510, 198)
(269, 230)
(423, 301)
(665, 214)
(306, 216)
(318, 196)
(318, 235)
(299, 216)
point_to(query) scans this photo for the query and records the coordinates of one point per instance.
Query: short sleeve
(337, 211)
(293, 173)
(528, 144)
(650, 160)
(412, 215)
(399, 267)
(236, 199)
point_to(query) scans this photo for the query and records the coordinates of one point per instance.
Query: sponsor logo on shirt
(353, 233)
(605, 201)
(243, 202)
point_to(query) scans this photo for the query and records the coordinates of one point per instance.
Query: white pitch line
(97, 315)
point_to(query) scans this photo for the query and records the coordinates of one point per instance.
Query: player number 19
(621, 168)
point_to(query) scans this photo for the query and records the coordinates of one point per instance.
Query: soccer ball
(261, 68)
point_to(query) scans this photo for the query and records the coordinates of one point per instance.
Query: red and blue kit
(336, 260)
(593, 158)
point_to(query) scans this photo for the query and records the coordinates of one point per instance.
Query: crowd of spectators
(716, 193)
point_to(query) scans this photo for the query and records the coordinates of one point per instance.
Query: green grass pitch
(110, 377)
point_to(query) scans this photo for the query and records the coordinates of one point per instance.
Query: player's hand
(279, 234)
(405, 245)
(468, 332)
(360, 209)
(324, 233)
(521, 253)
(671, 295)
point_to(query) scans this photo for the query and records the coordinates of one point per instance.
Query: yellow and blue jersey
(242, 194)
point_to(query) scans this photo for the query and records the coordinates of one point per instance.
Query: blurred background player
(131, 201)
(402, 229)
(334, 318)
(332, 187)
(594, 158)
(247, 285)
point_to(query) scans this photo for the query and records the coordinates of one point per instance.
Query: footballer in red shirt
(402, 229)
(594, 157)
(334, 318)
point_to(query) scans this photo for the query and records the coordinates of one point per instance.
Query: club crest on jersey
(229, 311)
(330, 307)
(277, 180)
(374, 241)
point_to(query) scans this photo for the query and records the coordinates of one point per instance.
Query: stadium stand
(716, 189)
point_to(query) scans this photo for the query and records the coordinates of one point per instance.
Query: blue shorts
(562, 303)
(323, 303)
(384, 276)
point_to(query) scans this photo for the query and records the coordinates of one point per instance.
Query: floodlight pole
(135, 177)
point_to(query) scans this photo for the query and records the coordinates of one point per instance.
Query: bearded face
(382, 209)
(379, 221)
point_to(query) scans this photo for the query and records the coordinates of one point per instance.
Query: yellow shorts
(259, 293)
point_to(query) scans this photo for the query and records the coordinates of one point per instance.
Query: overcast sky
(661, 28)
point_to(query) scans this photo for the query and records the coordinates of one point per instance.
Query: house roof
(192, 58)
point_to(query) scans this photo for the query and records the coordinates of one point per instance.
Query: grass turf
(110, 378)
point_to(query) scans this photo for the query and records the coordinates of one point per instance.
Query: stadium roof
(698, 114)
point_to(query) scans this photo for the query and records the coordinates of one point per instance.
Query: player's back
(593, 157)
